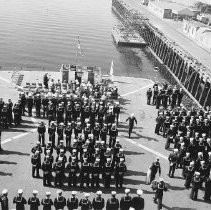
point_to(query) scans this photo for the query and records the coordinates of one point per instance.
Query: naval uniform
(34, 203)
(112, 204)
(72, 203)
(98, 203)
(59, 203)
(47, 203)
(85, 204)
(125, 203)
(4, 202)
(20, 202)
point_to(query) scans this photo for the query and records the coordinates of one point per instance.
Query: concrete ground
(140, 150)
(173, 31)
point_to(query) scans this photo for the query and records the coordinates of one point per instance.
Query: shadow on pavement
(176, 208)
(124, 101)
(138, 136)
(9, 152)
(135, 173)
(7, 162)
(5, 174)
(133, 153)
(176, 188)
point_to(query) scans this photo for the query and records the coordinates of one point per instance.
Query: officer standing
(51, 133)
(85, 203)
(196, 183)
(173, 158)
(98, 203)
(4, 200)
(47, 202)
(47, 171)
(41, 132)
(30, 104)
(72, 203)
(138, 201)
(120, 169)
(131, 120)
(126, 201)
(155, 167)
(149, 96)
(19, 200)
(35, 160)
(33, 201)
(60, 201)
(112, 203)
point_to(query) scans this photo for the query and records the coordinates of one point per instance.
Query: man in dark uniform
(85, 203)
(72, 169)
(96, 171)
(112, 203)
(155, 167)
(113, 133)
(10, 107)
(85, 172)
(207, 191)
(47, 202)
(107, 171)
(37, 103)
(117, 112)
(120, 170)
(189, 174)
(50, 112)
(60, 201)
(19, 200)
(173, 158)
(51, 133)
(41, 132)
(33, 201)
(98, 203)
(60, 114)
(138, 201)
(60, 132)
(72, 203)
(45, 101)
(126, 201)
(4, 200)
(68, 134)
(22, 103)
(35, 161)
(47, 171)
(131, 120)
(149, 96)
(196, 183)
(30, 103)
(59, 172)
(104, 132)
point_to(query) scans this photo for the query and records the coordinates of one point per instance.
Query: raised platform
(125, 37)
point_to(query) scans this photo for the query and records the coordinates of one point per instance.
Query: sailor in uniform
(47, 202)
(98, 203)
(126, 201)
(19, 200)
(33, 201)
(85, 203)
(72, 203)
(4, 200)
(138, 201)
(60, 201)
(112, 203)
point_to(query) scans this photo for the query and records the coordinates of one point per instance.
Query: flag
(112, 71)
(79, 48)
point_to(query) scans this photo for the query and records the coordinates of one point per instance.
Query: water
(43, 34)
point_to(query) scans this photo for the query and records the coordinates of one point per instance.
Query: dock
(126, 37)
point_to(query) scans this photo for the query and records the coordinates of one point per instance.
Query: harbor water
(42, 34)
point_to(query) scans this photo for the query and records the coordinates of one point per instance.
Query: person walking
(131, 120)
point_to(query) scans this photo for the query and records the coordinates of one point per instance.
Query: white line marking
(5, 80)
(146, 148)
(136, 90)
(18, 136)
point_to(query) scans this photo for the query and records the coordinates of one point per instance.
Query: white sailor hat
(37, 152)
(61, 141)
(203, 134)
(102, 142)
(61, 150)
(176, 150)
(48, 193)
(4, 191)
(99, 192)
(113, 192)
(38, 142)
(131, 208)
(59, 192)
(74, 150)
(161, 179)
(97, 159)
(139, 192)
(86, 195)
(202, 162)
(117, 140)
(108, 149)
(209, 153)
(20, 191)
(108, 159)
(197, 173)
(35, 192)
(200, 153)
(121, 150)
(127, 191)
(121, 159)
(191, 163)
(74, 192)
(75, 141)
(60, 159)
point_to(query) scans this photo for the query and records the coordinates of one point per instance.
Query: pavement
(141, 150)
(173, 31)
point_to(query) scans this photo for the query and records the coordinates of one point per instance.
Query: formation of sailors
(190, 133)
(127, 202)
(164, 96)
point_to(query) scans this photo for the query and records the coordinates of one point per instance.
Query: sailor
(33, 201)
(132, 119)
(22, 103)
(113, 133)
(155, 167)
(37, 102)
(119, 155)
(104, 132)
(72, 203)
(47, 171)
(78, 129)
(87, 130)
(19, 200)
(59, 172)
(45, 80)
(45, 101)
(207, 191)
(72, 169)
(60, 132)
(120, 170)
(50, 112)
(85, 172)
(60, 201)
(36, 164)
(4, 200)
(196, 183)
(48, 147)
(47, 202)
(107, 172)
(60, 114)
(117, 111)
(51, 133)
(41, 132)
(60, 146)
(62, 156)
(149, 96)
(37, 148)
(96, 170)
(85, 203)
(126, 201)
(138, 201)
(68, 134)
(159, 192)
(112, 203)
(173, 158)
(98, 203)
